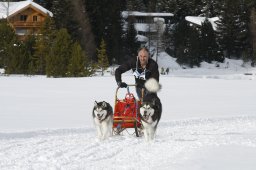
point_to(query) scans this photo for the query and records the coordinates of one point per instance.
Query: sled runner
(126, 114)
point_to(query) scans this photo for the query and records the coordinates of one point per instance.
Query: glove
(141, 86)
(122, 84)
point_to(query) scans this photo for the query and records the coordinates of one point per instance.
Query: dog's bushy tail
(152, 85)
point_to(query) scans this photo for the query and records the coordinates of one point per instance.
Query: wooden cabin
(26, 17)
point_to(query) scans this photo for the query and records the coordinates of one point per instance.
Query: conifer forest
(88, 35)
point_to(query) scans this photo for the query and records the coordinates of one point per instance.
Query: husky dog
(151, 109)
(103, 118)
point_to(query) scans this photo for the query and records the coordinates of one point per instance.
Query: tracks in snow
(79, 149)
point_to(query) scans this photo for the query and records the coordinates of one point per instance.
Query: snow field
(176, 145)
(208, 122)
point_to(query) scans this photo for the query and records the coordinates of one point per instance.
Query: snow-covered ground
(208, 122)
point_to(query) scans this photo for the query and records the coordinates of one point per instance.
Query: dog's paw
(99, 137)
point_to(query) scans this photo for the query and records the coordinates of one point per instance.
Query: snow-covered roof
(199, 20)
(15, 7)
(125, 14)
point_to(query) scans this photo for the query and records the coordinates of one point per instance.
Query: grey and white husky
(103, 118)
(151, 109)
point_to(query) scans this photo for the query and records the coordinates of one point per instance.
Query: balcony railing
(27, 24)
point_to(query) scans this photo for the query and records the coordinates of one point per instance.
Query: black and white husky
(151, 109)
(103, 118)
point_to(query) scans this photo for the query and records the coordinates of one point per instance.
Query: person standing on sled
(143, 68)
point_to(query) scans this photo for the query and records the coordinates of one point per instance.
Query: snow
(125, 14)
(17, 6)
(208, 121)
(158, 19)
(230, 69)
(142, 38)
(165, 61)
(199, 20)
(229, 155)
(142, 26)
(146, 27)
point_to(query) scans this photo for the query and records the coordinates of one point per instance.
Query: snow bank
(165, 61)
(229, 69)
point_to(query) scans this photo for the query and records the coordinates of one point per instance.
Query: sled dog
(103, 118)
(151, 109)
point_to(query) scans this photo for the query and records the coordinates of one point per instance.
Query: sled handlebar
(128, 85)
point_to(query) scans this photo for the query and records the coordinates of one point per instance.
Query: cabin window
(34, 18)
(23, 17)
(21, 31)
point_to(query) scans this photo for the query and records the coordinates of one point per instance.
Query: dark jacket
(151, 70)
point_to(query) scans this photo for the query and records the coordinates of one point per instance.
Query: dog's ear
(104, 104)
(95, 104)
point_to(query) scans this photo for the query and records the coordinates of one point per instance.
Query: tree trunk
(86, 36)
(253, 29)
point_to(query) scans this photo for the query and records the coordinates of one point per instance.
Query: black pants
(139, 92)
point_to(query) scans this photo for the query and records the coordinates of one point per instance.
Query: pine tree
(106, 23)
(180, 34)
(227, 28)
(77, 61)
(44, 42)
(57, 61)
(168, 40)
(83, 31)
(187, 44)
(38, 61)
(17, 61)
(197, 7)
(113, 37)
(131, 43)
(73, 16)
(193, 48)
(234, 36)
(29, 46)
(14, 57)
(253, 64)
(211, 8)
(7, 41)
(183, 9)
(209, 48)
(166, 6)
(61, 13)
(90, 67)
(45, 3)
(243, 44)
(20, 56)
(152, 5)
(102, 57)
(135, 5)
(63, 17)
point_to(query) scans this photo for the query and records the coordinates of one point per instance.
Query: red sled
(126, 114)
